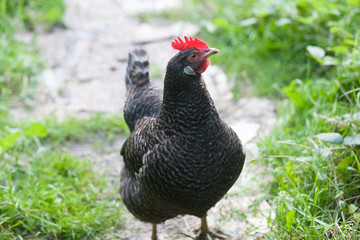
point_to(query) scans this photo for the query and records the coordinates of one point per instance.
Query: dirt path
(87, 64)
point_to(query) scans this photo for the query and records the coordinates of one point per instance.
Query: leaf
(221, 23)
(283, 21)
(352, 140)
(354, 3)
(345, 162)
(306, 20)
(334, 137)
(342, 205)
(321, 222)
(36, 129)
(330, 61)
(351, 42)
(248, 22)
(335, 29)
(352, 208)
(339, 194)
(294, 96)
(316, 51)
(290, 218)
(339, 49)
(325, 152)
(7, 142)
(292, 91)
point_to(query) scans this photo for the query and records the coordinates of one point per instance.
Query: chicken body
(181, 159)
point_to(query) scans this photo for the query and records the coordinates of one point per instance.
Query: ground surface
(87, 64)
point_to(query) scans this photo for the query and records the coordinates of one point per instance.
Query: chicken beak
(204, 62)
(209, 52)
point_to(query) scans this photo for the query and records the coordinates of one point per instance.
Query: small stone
(247, 131)
(52, 82)
(133, 7)
(147, 33)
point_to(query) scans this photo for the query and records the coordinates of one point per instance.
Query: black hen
(183, 158)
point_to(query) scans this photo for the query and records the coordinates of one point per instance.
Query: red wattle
(202, 68)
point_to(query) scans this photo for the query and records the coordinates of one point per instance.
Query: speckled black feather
(185, 159)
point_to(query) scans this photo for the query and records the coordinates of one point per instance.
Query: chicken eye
(193, 56)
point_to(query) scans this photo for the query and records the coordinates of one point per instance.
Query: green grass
(47, 193)
(98, 127)
(55, 196)
(315, 192)
(315, 182)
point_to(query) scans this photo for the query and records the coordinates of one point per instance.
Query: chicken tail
(137, 72)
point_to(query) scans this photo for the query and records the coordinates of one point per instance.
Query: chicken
(180, 158)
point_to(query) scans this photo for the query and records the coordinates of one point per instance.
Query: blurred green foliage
(20, 62)
(263, 42)
(19, 67)
(31, 13)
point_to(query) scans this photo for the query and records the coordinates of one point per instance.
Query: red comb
(179, 44)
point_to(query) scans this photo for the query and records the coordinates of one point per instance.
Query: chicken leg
(204, 231)
(154, 232)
